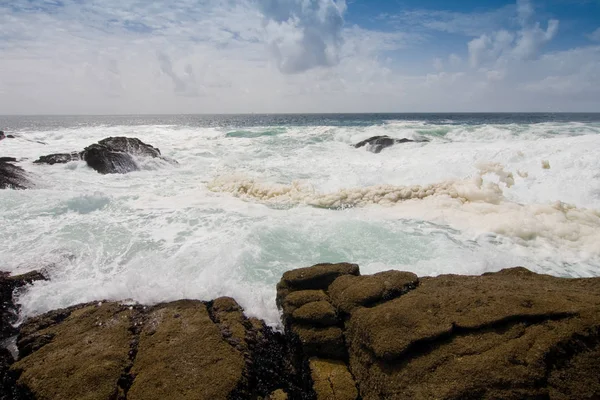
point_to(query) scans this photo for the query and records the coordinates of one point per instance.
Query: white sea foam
(238, 210)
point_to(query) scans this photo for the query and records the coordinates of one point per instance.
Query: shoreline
(512, 333)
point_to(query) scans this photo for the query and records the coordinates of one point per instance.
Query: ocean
(253, 196)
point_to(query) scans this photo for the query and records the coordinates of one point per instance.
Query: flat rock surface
(512, 334)
(182, 355)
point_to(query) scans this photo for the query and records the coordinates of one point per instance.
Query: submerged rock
(61, 158)
(12, 176)
(377, 143)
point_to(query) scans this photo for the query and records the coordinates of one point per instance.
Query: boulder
(61, 158)
(377, 143)
(186, 349)
(115, 155)
(13, 176)
(7, 159)
(508, 335)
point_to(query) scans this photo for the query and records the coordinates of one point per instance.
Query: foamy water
(247, 203)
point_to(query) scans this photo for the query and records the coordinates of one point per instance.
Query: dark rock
(115, 155)
(509, 335)
(62, 158)
(8, 309)
(13, 176)
(10, 136)
(378, 143)
(7, 159)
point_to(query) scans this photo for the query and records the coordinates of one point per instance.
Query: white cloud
(304, 34)
(503, 45)
(209, 56)
(595, 35)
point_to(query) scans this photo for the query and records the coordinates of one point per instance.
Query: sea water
(253, 196)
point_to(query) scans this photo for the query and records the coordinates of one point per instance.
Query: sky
(281, 56)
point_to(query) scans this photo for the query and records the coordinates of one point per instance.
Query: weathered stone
(318, 313)
(8, 309)
(228, 314)
(301, 297)
(61, 158)
(322, 342)
(181, 354)
(377, 143)
(278, 395)
(114, 155)
(332, 380)
(84, 358)
(348, 292)
(317, 277)
(513, 334)
(13, 177)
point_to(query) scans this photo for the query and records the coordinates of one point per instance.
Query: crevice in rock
(424, 346)
(138, 319)
(559, 356)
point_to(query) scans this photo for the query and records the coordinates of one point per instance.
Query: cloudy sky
(221, 56)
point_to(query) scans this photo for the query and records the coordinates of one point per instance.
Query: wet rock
(377, 143)
(332, 380)
(115, 155)
(61, 158)
(7, 159)
(8, 309)
(13, 177)
(513, 334)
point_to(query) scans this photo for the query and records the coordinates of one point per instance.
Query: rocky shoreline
(512, 334)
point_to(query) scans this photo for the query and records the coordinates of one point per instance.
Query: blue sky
(225, 56)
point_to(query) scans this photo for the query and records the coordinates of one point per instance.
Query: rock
(181, 354)
(309, 318)
(7, 159)
(508, 335)
(317, 277)
(10, 136)
(8, 309)
(278, 395)
(61, 158)
(13, 177)
(317, 313)
(82, 356)
(301, 297)
(348, 292)
(377, 143)
(184, 349)
(332, 380)
(115, 155)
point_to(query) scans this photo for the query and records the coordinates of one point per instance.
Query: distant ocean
(256, 195)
